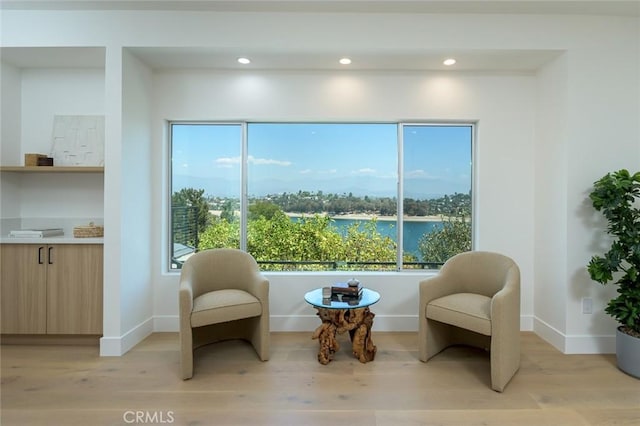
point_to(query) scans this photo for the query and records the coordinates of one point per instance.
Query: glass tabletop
(314, 297)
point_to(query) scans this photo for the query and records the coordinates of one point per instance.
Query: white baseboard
(567, 344)
(110, 346)
(575, 344)
(526, 323)
(279, 323)
(590, 345)
(550, 334)
(166, 323)
(400, 323)
(284, 323)
(118, 346)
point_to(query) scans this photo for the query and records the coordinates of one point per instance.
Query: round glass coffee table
(340, 316)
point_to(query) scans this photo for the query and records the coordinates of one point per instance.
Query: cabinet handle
(50, 261)
(40, 255)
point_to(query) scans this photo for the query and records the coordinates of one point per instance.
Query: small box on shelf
(47, 161)
(90, 231)
(31, 160)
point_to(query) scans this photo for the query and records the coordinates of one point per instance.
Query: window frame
(401, 124)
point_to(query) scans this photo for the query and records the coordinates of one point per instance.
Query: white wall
(550, 200)
(595, 130)
(500, 104)
(128, 292)
(603, 135)
(49, 92)
(10, 119)
(137, 188)
(10, 131)
(588, 110)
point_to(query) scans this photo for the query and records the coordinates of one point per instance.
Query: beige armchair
(222, 296)
(474, 300)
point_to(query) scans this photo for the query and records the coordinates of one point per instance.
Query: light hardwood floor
(73, 385)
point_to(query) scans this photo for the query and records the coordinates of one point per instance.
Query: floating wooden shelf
(51, 169)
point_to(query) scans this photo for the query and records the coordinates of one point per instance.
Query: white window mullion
(400, 196)
(243, 185)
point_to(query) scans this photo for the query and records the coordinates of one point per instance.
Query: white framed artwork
(78, 140)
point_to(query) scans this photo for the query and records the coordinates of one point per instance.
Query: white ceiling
(209, 58)
(279, 59)
(478, 60)
(590, 7)
(53, 57)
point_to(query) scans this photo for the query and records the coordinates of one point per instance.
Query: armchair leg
(260, 336)
(435, 338)
(186, 354)
(505, 361)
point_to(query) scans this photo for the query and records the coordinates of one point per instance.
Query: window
(322, 196)
(436, 193)
(205, 187)
(321, 185)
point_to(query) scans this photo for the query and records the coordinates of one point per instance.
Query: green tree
(454, 237)
(272, 239)
(363, 243)
(315, 239)
(264, 209)
(190, 197)
(219, 234)
(227, 212)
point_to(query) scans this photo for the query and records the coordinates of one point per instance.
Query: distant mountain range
(357, 185)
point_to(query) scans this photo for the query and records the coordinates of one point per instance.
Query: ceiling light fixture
(244, 61)
(345, 61)
(449, 62)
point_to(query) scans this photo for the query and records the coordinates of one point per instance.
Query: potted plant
(617, 196)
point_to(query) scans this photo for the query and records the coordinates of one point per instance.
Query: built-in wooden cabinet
(23, 284)
(51, 288)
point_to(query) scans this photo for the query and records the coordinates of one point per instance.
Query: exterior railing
(342, 265)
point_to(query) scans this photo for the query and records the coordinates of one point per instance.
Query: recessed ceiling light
(449, 62)
(244, 61)
(345, 61)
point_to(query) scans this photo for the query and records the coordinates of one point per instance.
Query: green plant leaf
(615, 195)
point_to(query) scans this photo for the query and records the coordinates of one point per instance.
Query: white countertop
(51, 240)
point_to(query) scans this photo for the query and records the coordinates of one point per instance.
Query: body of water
(412, 231)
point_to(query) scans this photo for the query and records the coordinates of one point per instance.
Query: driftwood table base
(357, 322)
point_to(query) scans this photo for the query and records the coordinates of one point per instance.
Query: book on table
(36, 233)
(345, 289)
(351, 300)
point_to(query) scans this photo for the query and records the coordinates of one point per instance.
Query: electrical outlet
(587, 305)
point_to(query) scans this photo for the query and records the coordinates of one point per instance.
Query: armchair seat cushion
(224, 305)
(465, 310)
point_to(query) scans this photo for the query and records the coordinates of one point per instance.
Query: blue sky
(340, 158)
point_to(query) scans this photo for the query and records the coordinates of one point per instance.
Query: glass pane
(205, 188)
(437, 193)
(322, 196)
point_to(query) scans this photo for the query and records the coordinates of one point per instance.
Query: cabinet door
(74, 296)
(23, 286)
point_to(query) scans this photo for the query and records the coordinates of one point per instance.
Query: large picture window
(322, 196)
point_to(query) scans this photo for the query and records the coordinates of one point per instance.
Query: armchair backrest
(222, 268)
(481, 272)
